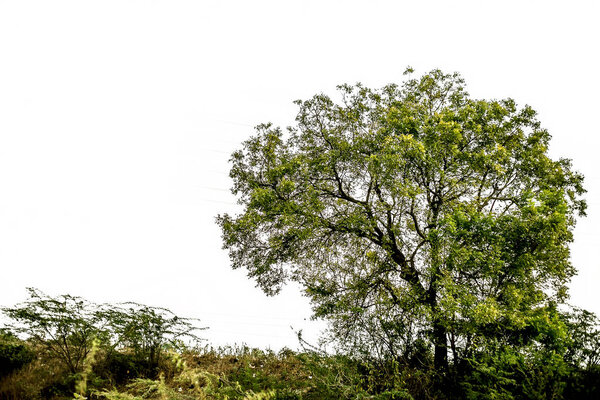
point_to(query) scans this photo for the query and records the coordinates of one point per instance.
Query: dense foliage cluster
(14, 355)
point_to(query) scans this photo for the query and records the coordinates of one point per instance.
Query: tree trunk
(440, 343)
(440, 360)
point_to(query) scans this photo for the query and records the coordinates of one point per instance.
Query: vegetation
(32, 368)
(64, 326)
(146, 331)
(421, 223)
(430, 229)
(14, 355)
(58, 344)
(410, 214)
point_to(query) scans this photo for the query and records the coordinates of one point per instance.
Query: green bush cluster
(14, 355)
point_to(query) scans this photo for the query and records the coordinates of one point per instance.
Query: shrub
(14, 355)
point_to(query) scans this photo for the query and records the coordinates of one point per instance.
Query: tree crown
(407, 204)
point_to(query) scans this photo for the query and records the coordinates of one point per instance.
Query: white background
(117, 119)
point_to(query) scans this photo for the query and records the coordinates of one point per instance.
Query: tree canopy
(413, 215)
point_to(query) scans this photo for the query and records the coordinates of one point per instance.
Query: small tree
(65, 326)
(147, 331)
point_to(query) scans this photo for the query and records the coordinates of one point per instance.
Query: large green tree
(414, 216)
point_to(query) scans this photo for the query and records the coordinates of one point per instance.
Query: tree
(410, 213)
(65, 325)
(147, 331)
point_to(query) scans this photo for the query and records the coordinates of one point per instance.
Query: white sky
(117, 119)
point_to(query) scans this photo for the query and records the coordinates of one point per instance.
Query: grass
(202, 373)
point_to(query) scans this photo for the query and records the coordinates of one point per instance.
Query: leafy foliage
(14, 354)
(430, 229)
(66, 325)
(411, 213)
(86, 344)
(583, 347)
(549, 367)
(147, 331)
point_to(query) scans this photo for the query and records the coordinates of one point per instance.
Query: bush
(119, 368)
(41, 378)
(13, 356)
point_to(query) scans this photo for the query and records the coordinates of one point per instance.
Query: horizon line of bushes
(66, 347)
